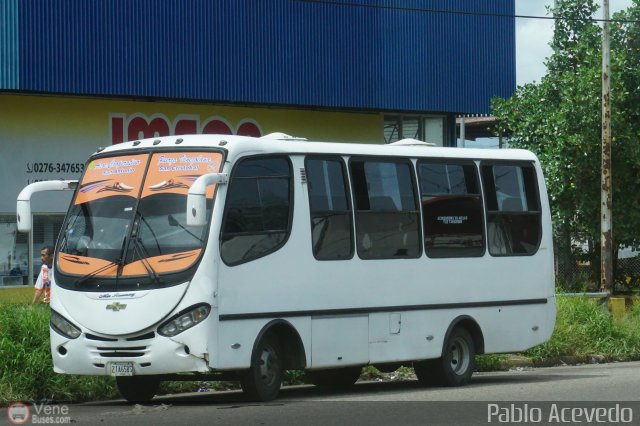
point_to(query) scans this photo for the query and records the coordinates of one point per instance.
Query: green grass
(26, 370)
(22, 294)
(584, 330)
(494, 362)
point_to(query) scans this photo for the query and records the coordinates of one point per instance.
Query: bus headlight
(64, 327)
(184, 320)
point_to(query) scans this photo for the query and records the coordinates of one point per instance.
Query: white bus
(239, 257)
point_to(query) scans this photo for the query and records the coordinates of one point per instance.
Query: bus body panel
(343, 340)
(237, 338)
(339, 341)
(435, 286)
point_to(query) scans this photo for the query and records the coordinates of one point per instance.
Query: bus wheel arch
(277, 347)
(472, 327)
(462, 341)
(294, 355)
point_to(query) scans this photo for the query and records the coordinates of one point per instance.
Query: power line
(456, 12)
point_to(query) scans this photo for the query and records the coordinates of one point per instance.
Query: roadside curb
(515, 361)
(519, 361)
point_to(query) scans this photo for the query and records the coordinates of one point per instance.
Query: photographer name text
(558, 413)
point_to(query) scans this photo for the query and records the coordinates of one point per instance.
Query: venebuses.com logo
(20, 413)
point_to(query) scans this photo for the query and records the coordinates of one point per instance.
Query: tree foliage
(559, 118)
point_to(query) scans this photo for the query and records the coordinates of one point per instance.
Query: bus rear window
(514, 224)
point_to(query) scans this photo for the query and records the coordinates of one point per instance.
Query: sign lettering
(124, 128)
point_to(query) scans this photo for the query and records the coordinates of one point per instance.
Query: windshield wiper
(139, 250)
(90, 275)
(155, 238)
(142, 252)
(117, 263)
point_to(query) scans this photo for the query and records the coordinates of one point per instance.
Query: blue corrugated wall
(277, 52)
(9, 44)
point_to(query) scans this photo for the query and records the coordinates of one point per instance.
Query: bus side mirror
(23, 207)
(197, 197)
(23, 213)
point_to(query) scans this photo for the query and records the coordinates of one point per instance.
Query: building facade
(76, 75)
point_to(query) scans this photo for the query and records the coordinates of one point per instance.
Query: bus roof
(238, 146)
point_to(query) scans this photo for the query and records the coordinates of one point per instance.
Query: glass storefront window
(14, 247)
(429, 128)
(14, 253)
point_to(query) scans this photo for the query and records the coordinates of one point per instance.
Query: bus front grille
(99, 338)
(130, 352)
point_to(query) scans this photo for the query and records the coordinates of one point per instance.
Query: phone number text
(55, 167)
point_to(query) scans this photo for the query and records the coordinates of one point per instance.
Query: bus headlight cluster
(64, 327)
(184, 320)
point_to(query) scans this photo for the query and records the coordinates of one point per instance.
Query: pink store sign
(123, 127)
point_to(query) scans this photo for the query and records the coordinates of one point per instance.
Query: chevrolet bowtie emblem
(116, 306)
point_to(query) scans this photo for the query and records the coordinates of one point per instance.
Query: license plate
(121, 368)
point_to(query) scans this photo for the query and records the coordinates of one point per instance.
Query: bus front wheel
(456, 365)
(137, 389)
(261, 382)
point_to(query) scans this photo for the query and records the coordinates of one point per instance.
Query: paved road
(540, 396)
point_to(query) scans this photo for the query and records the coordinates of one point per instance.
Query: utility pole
(606, 198)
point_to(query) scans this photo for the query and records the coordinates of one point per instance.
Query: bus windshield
(128, 219)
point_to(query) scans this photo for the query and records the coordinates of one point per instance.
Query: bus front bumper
(142, 355)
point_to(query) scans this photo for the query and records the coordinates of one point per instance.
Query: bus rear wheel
(456, 365)
(263, 379)
(336, 378)
(137, 389)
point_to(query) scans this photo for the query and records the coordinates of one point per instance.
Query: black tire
(456, 365)
(335, 378)
(261, 382)
(138, 389)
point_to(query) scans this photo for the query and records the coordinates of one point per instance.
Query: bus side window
(387, 216)
(514, 222)
(451, 209)
(331, 218)
(257, 218)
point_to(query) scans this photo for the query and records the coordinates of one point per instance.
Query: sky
(533, 36)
